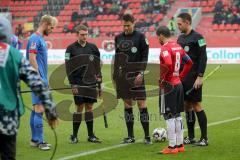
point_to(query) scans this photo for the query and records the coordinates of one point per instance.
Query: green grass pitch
(221, 102)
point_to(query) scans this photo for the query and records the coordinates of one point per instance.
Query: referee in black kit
(131, 56)
(82, 60)
(195, 46)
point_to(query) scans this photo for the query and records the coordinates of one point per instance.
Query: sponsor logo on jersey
(67, 56)
(201, 42)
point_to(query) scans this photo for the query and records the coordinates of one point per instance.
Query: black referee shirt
(82, 63)
(135, 47)
(195, 46)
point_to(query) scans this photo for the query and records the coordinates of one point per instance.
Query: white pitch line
(221, 96)
(108, 88)
(122, 145)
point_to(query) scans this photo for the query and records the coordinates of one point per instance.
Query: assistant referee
(82, 61)
(195, 46)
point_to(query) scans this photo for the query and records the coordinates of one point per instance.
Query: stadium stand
(103, 17)
(222, 28)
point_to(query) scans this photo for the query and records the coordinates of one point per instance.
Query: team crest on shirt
(33, 46)
(186, 48)
(134, 49)
(165, 53)
(91, 57)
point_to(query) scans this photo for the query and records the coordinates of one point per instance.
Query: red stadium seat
(99, 17)
(207, 9)
(231, 32)
(103, 29)
(228, 27)
(89, 23)
(204, 3)
(111, 17)
(215, 27)
(95, 23)
(238, 32)
(235, 27)
(44, 2)
(142, 16)
(22, 3)
(221, 27)
(104, 17)
(28, 3)
(211, 3)
(12, 3)
(96, 1)
(108, 23)
(194, 4)
(108, 5)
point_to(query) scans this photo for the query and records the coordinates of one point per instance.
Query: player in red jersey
(172, 102)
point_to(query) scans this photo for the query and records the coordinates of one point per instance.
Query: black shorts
(85, 95)
(126, 89)
(7, 147)
(172, 102)
(130, 92)
(195, 95)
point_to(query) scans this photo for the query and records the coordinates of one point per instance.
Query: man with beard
(36, 52)
(195, 46)
(172, 102)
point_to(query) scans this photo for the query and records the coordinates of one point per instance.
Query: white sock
(179, 130)
(171, 132)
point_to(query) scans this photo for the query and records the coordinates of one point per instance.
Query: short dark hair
(128, 17)
(81, 27)
(185, 17)
(163, 30)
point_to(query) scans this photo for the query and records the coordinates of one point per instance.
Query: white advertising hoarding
(215, 56)
(223, 55)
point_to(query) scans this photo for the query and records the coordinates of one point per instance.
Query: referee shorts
(86, 94)
(126, 90)
(135, 93)
(196, 94)
(172, 103)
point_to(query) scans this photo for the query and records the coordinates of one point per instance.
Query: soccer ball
(159, 135)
